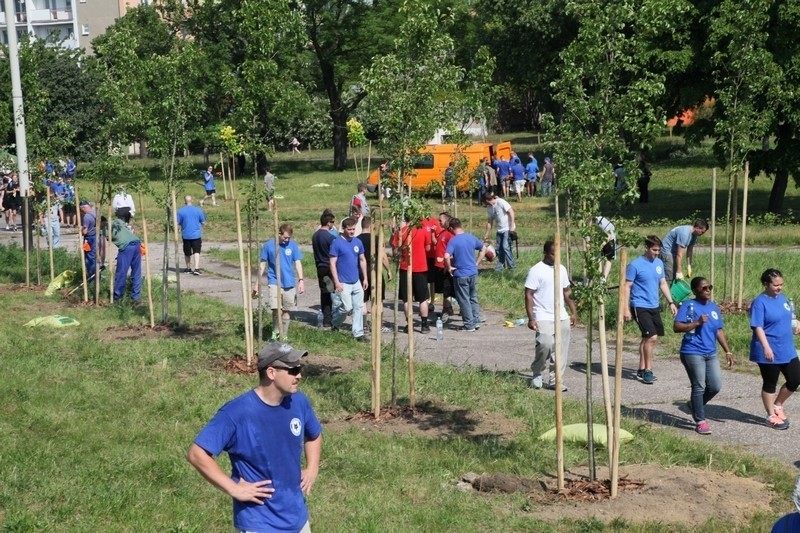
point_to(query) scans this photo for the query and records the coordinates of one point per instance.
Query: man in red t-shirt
(431, 225)
(420, 243)
(443, 279)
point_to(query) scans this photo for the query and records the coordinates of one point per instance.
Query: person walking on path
(191, 219)
(321, 242)
(291, 285)
(123, 205)
(443, 281)
(609, 250)
(548, 177)
(89, 233)
(644, 277)
(129, 258)
(700, 320)
(540, 293)
(264, 432)
(678, 243)
(348, 268)
(462, 265)
(502, 213)
(210, 187)
(772, 346)
(269, 187)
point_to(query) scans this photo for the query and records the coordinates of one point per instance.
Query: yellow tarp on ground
(62, 280)
(579, 433)
(53, 321)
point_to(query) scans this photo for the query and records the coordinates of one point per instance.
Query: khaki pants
(545, 354)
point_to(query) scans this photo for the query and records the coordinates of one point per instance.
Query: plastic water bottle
(319, 320)
(690, 317)
(439, 329)
(520, 321)
(794, 314)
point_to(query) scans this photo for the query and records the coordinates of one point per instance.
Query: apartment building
(74, 22)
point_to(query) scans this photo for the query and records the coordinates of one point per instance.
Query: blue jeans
(706, 379)
(466, 290)
(349, 301)
(504, 251)
(89, 257)
(547, 188)
(129, 259)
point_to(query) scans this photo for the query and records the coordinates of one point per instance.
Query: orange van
(436, 157)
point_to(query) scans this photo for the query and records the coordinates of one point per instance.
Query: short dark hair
(348, 222)
(652, 240)
(326, 219)
(362, 187)
(700, 223)
(770, 274)
(695, 283)
(489, 195)
(549, 246)
(286, 228)
(455, 223)
(366, 222)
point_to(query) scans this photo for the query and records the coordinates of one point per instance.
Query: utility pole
(19, 132)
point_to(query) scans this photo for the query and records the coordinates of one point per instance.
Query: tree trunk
(778, 191)
(339, 118)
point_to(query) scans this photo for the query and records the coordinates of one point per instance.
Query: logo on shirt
(355, 249)
(658, 270)
(714, 315)
(786, 306)
(288, 252)
(295, 426)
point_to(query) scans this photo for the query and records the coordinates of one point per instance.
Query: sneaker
(196, 272)
(187, 270)
(536, 382)
(425, 329)
(552, 386)
(778, 411)
(652, 376)
(647, 377)
(776, 423)
(386, 329)
(363, 338)
(202, 202)
(445, 317)
(702, 428)
(640, 375)
(465, 328)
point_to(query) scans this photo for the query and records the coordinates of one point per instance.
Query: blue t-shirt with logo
(704, 341)
(290, 253)
(461, 249)
(774, 316)
(265, 442)
(532, 169)
(191, 219)
(518, 172)
(681, 236)
(503, 169)
(208, 177)
(646, 276)
(347, 254)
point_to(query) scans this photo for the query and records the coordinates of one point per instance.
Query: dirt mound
(159, 332)
(313, 365)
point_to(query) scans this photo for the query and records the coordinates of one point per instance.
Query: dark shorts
(770, 373)
(432, 270)
(209, 192)
(419, 286)
(610, 250)
(11, 203)
(192, 246)
(649, 321)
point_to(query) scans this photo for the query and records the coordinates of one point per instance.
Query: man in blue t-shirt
(291, 286)
(462, 265)
(532, 174)
(503, 168)
(191, 219)
(679, 242)
(88, 230)
(264, 431)
(346, 261)
(644, 277)
(210, 187)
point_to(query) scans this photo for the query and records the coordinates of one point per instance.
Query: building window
(84, 29)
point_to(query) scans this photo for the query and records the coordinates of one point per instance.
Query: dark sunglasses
(705, 288)
(294, 371)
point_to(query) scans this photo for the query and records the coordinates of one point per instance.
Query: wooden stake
(377, 332)
(79, 216)
(224, 181)
(412, 396)
(277, 267)
(146, 258)
(245, 293)
(744, 233)
(177, 236)
(735, 214)
(601, 332)
(98, 237)
(559, 354)
(614, 442)
(713, 221)
(49, 225)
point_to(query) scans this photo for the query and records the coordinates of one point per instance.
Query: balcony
(46, 16)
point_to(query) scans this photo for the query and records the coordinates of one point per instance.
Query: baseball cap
(279, 355)
(83, 203)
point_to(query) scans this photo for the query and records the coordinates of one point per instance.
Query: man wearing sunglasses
(263, 431)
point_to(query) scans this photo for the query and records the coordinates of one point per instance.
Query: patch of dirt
(678, 495)
(145, 332)
(313, 365)
(431, 420)
(731, 308)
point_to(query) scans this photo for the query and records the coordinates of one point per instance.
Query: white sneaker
(536, 382)
(202, 202)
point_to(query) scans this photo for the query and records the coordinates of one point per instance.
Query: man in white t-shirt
(609, 251)
(540, 304)
(502, 213)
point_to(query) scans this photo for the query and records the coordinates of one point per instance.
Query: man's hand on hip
(256, 492)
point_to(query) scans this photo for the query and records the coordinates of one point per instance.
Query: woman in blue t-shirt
(701, 322)
(772, 346)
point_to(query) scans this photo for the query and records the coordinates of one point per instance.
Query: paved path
(736, 415)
